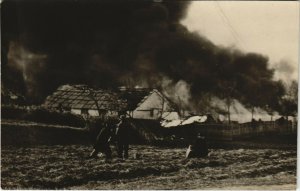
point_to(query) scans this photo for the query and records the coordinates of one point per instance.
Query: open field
(58, 166)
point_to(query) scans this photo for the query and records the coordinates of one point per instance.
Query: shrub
(42, 115)
(45, 116)
(8, 112)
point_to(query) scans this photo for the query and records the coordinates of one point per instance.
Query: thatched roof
(82, 97)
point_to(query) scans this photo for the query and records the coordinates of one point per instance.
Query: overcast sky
(269, 28)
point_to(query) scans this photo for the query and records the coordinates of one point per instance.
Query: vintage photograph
(149, 94)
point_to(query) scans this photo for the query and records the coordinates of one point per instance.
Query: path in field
(157, 168)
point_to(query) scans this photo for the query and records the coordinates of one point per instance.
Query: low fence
(254, 128)
(233, 131)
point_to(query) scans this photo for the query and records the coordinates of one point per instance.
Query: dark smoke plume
(133, 43)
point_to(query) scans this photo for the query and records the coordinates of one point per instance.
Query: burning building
(144, 103)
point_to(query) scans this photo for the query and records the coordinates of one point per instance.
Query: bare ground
(67, 167)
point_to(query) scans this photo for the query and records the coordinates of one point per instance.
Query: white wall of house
(152, 107)
(76, 111)
(93, 112)
(112, 114)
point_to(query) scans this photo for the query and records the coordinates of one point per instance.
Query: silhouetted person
(254, 123)
(102, 142)
(122, 137)
(198, 148)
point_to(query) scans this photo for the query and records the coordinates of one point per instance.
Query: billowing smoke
(30, 65)
(238, 112)
(133, 43)
(102, 43)
(179, 92)
(286, 71)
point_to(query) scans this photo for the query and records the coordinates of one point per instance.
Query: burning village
(146, 95)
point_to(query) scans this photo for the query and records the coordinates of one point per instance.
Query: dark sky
(112, 43)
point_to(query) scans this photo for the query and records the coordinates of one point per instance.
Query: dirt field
(51, 167)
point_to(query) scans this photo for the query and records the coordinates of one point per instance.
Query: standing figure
(122, 137)
(198, 148)
(102, 143)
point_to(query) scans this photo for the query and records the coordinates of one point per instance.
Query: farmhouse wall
(112, 114)
(93, 112)
(76, 111)
(147, 114)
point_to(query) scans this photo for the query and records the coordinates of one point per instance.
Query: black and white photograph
(149, 95)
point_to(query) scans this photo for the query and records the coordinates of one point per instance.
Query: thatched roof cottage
(79, 99)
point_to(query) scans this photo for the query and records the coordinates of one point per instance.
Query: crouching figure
(102, 143)
(198, 148)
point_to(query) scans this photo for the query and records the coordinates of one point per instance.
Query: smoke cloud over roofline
(113, 43)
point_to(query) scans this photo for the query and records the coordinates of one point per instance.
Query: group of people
(113, 133)
(119, 133)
